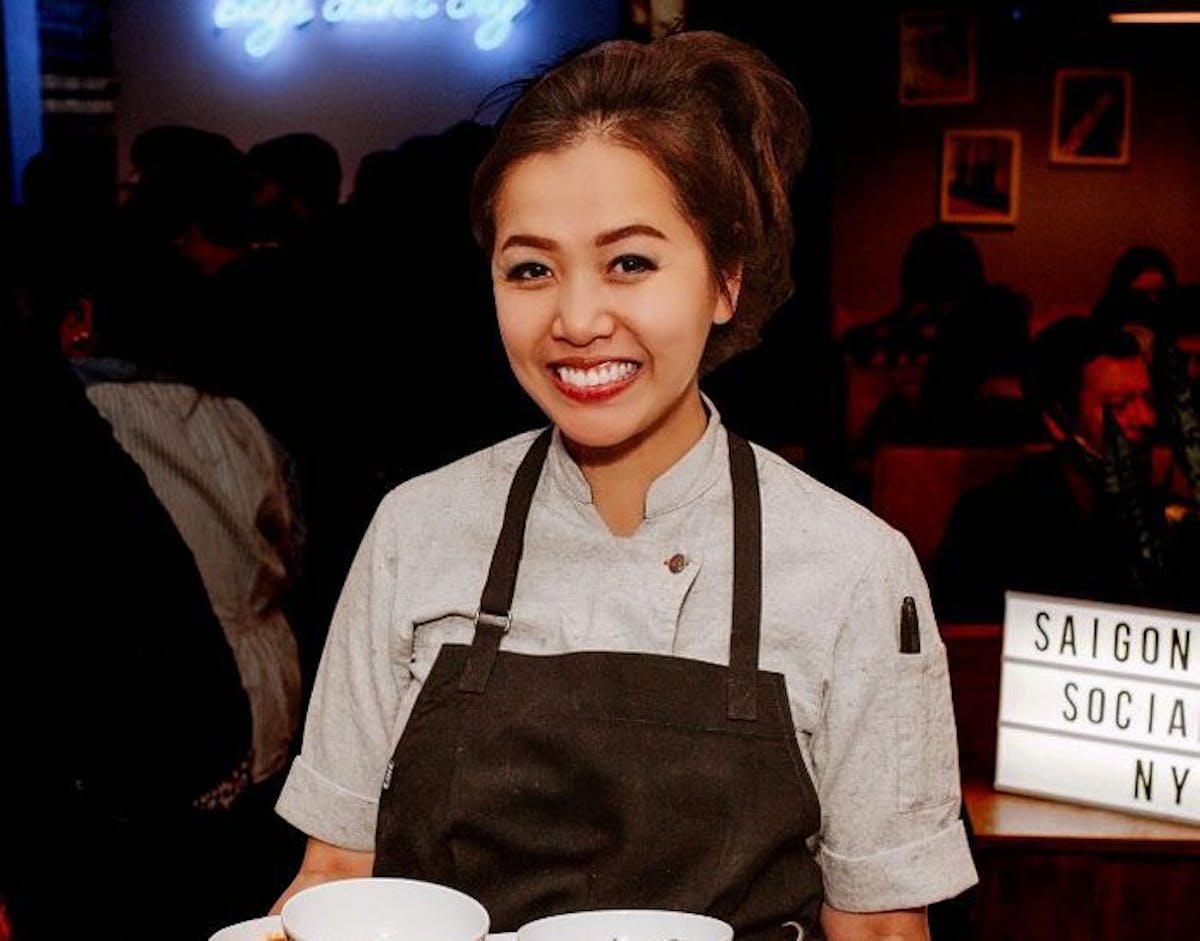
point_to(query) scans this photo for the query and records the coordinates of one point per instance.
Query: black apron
(542, 784)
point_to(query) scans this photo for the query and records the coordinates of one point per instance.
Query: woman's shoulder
(799, 507)
(480, 478)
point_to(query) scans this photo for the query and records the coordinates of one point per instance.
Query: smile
(600, 380)
(601, 375)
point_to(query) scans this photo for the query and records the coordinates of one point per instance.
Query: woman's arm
(910, 924)
(324, 862)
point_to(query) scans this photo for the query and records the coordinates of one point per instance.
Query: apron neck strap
(747, 580)
(493, 618)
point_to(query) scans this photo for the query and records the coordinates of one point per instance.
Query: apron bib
(542, 784)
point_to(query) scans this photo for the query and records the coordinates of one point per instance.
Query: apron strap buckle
(489, 629)
(502, 621)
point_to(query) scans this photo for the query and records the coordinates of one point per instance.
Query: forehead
(591, 186)
(1112, 376)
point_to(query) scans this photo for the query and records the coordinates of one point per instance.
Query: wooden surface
(1000, 819)
(1053, 871)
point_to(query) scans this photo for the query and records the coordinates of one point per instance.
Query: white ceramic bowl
(267, 928)
(383, 909)
(629, 924)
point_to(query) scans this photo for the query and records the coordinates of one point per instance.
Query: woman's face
(605, 297)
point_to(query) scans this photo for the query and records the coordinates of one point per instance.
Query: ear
(727, 297)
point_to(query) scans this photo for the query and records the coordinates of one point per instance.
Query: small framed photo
(1091, 116)
(981, 175)
(652, 19)
(937, 58)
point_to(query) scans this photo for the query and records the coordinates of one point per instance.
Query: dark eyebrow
(626, 231)
(606, 238)
(529, 241)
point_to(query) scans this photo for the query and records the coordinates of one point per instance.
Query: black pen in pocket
(910, 627)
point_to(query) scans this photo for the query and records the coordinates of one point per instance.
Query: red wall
(1073, 221)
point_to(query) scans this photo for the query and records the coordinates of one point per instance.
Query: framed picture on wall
(650, 19)
(1091, 116)
(937, 58)
(981, 175)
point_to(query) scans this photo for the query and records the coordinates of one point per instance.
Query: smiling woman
(605, 299)
(549, 743)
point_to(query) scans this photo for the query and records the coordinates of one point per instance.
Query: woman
(542, 680)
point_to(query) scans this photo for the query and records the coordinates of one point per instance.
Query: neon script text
(270, 20)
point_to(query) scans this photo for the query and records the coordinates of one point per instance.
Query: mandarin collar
(684, 481)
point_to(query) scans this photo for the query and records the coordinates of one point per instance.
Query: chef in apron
(632, 660)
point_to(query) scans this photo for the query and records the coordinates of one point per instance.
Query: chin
(595, 429)
(595, 436)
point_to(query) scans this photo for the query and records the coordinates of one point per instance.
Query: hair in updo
(715, 115)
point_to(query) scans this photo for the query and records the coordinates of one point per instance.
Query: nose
(583, 315)
(1140, 418)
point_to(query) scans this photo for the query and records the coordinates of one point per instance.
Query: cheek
(511, 337)
(676, 320)
(519, 328)
(1091, 421)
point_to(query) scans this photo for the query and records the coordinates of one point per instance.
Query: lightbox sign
(269, 21)
(1100, 704)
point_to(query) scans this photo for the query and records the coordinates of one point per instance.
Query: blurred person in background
(971, 391)
(296, 189)
(1140, 294)
(172, 370)
(123, 718)
(1144, 298)
(402, 279)
(1087, 519)
(941, 269)
(885, 363)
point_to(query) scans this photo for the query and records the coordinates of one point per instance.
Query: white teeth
(596, 376)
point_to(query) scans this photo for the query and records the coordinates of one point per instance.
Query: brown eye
(633, 264)
(526, 271)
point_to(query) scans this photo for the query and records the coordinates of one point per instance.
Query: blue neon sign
(270, 20)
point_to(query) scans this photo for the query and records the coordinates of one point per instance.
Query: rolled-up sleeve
(332, 789)
(324, 809)
(885, 752)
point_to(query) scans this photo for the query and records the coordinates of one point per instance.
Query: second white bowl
(626, 924)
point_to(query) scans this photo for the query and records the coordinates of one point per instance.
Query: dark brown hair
(1061, 352)
(715, 115)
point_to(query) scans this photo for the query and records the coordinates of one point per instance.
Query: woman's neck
(620, 477)
(619, 493)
